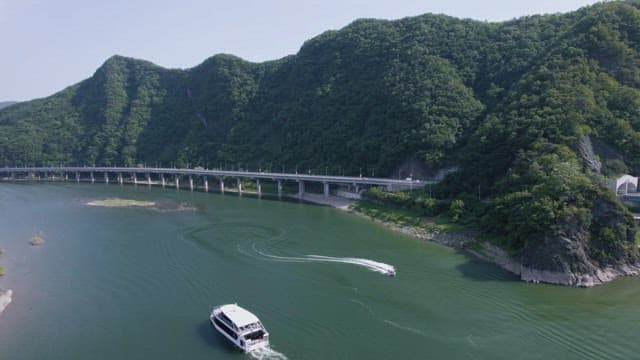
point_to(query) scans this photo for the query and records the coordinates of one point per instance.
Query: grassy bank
(406, 217)
(387, 214)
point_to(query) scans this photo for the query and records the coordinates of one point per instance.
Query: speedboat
(391, 272)
(240, 327)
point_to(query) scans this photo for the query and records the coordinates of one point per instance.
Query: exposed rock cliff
(577, 255)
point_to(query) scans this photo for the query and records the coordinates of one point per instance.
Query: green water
(118, 283)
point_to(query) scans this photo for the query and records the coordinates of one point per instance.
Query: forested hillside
(534, 112)
(4, 104)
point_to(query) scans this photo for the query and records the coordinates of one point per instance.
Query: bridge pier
(93, 179)
(326, 189)
(206, 184)
(134, 178)
(177, 182)
(222, 186)
(120, 179)
(300, 188)
(66, 177)
(149, 180)
(106, 178)
(164, 183)
(78, 177)
(239, 186)
(279, 188)
(190, 183)
(258, 187)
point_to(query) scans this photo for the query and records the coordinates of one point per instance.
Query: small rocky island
(116, 202)
(36, 241)
(152, 205)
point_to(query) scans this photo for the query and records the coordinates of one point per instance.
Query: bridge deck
(225, 173)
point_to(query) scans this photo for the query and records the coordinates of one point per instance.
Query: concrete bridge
(343, 185)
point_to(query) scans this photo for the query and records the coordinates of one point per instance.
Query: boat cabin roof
(238, 315)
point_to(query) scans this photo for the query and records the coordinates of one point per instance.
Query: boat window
(255, 335)
(227, 320)
(225, 328)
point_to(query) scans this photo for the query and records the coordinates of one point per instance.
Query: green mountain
(534, 112)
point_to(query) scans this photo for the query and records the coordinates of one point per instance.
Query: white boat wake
(376, 266)
(372, 265)
(266, 353)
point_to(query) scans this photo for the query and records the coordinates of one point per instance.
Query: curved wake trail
(267, 353)
(376, 266)
(372, 265)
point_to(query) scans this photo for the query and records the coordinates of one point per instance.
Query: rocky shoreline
(5, 299)
(496, 255)
(469, 243)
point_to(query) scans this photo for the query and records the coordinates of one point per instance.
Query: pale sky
(48, 45)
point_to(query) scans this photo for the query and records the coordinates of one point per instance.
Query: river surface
(136, 283)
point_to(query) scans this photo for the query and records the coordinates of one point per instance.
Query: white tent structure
(624, 184)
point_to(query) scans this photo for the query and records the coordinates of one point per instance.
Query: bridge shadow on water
(213, 339)
(480, 270)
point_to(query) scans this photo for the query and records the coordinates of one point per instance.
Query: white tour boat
(240, 326)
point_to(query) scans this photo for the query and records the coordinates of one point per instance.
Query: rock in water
(36, 240)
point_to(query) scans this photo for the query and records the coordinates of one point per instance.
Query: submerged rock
(172, 206)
